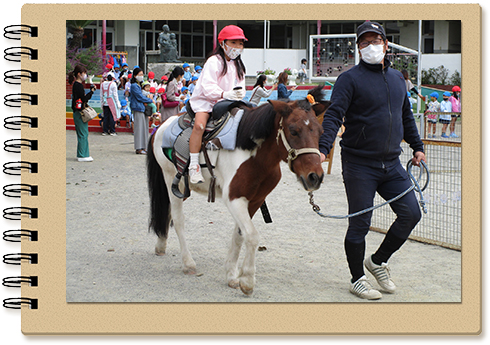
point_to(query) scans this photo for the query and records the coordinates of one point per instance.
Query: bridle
(292, 152)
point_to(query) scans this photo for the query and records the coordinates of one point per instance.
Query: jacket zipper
(391, 119)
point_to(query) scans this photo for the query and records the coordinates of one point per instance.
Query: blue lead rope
(415, 186)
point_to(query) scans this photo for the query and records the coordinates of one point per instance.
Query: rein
(415, 186)
(292, 153)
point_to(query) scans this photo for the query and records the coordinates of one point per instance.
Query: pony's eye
(293, 132)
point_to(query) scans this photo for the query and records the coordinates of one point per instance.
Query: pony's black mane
(256, 124)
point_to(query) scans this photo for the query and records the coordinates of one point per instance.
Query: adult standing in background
(283, 93)
(110, 106)
(409, 85)
(141, 122)
(259, 91)
(172, 93)
(371, 100)
(79, 99)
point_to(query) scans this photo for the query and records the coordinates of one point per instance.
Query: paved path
(110, 254)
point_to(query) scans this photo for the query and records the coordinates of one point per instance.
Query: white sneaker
(381, 273)
(85, 159)
(195, 175)
(363, 289)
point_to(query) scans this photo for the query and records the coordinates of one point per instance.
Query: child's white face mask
(232, 53)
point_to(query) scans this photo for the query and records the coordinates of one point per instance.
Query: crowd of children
(151, 88)
(435, 113)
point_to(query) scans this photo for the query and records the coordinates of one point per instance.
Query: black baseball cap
(370, 27)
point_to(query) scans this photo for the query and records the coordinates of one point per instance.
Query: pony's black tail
(159, 199)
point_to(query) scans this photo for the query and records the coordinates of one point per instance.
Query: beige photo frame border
(56, 316)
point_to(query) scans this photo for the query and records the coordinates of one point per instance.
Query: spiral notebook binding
(15, 213)
(15, 145)
(16, 282)
(15, 168)
(17, 235)
(16, 258)
(14, 32)
(15, 190)
(16, 77)
(16, 303)
(15, 100)
(15, 54)
(15, 122)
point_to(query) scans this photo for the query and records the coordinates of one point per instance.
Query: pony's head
(299, 132)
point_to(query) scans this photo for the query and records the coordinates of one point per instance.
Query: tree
(77, 27)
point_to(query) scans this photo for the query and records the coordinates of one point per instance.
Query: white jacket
(112, 92)
(211, 84)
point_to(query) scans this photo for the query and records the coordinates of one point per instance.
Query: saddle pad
(171, 133)
(227, 135)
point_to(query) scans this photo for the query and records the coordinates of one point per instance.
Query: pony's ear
(321, 107)
(281, 107)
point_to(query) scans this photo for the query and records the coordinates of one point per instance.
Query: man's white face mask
(373, 54)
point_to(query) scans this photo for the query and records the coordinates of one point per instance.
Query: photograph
(264, 161)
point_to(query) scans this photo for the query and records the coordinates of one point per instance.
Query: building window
(254, 32)
(428, 45)
(186, 45)
(146, 25)
(150, 42)
(89, 37)
(195, 38)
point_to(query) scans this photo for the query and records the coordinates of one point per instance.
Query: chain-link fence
(442, 223)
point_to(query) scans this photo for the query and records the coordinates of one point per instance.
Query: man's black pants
(361, 184)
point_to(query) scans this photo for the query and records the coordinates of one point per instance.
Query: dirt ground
(110, 253)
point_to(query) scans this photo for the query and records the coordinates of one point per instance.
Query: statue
(168, 45)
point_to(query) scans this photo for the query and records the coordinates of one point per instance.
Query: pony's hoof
(159, 252)
(234, 283)
(247, 290)
(190, 270)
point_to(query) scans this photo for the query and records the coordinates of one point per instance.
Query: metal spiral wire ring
(16, 258)
(16, 282)
(15, 190)
(16, 235)
(15, 145)
(15, 54)
(16, 303)
(14, 100)
(15, 168)
(14, 77)
(15, 213)
(15, 122)
(12, 31)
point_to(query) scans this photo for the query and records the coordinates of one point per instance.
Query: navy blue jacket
(372, 101)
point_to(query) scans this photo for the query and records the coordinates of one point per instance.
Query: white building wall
(276, 59)
(449, 61)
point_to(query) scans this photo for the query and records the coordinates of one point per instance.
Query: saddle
(180, 155)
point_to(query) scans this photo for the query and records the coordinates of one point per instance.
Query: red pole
(215, 33)
(104, 41)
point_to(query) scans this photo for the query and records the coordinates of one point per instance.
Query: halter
(292, 153)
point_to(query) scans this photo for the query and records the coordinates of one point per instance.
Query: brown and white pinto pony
(244, 176)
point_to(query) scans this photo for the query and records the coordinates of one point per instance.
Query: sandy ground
(110, 253)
